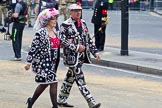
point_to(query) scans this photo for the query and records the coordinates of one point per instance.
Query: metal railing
(146, 5)
(158, 5)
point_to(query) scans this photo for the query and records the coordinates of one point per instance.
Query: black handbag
(39, 78)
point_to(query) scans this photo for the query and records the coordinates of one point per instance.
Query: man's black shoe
(97, 105)
(64, 105)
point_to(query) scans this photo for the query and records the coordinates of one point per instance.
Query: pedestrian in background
(77, 46)
(36, 8)
(110, 4)
(63, 8)
(19, 21)
(3, 11)
(44, 4)
(29, 4)
(43, 55)
(98, 19)
(94, 2)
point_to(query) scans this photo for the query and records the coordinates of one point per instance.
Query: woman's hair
(44, 17)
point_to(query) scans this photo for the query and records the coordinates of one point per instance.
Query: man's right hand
(81, 48)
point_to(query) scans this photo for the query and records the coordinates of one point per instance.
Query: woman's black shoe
(29, 102)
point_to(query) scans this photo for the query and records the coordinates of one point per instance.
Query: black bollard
(124, 27)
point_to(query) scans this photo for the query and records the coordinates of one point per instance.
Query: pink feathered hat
(45, 16)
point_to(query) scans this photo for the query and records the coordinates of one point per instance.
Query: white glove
(44, 3)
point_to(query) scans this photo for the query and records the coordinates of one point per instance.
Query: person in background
(36, 8)
(29, 3)
(77, 46)
(63, 9)
(57, 4)
(43, 55)
(110, 4)
(19, 21)
(94, 2)
(64, 4)
(3, 11)
(44, 4)
(99, 19)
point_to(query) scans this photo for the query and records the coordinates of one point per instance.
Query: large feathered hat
(44, 17)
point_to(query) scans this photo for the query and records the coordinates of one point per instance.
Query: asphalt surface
(145, 41)
(144, 30)
(117, 92)
(113, 88)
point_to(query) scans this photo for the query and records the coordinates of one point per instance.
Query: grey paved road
(144, 30)
(113, 88)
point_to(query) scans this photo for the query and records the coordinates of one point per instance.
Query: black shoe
(29, 102)
(3, 30)
(30, 25)
(97, 105)
(64, 105)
